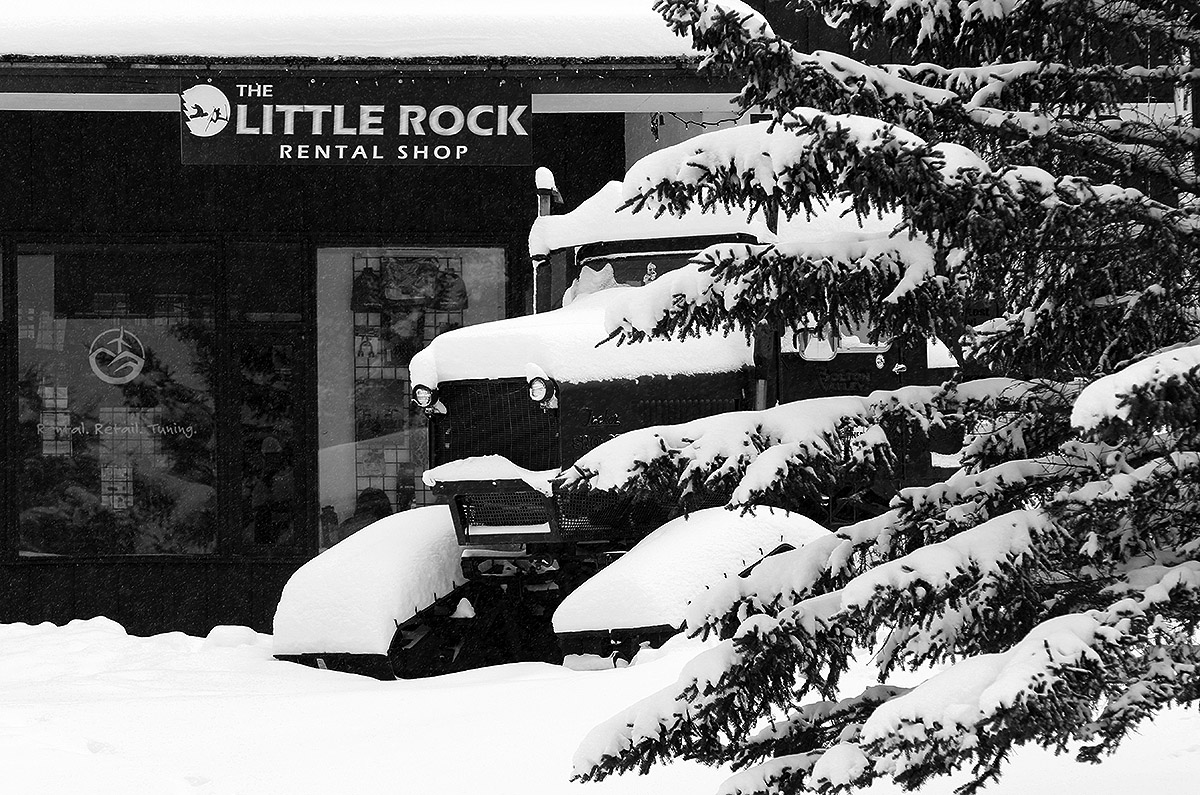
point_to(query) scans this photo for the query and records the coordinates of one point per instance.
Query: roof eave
(308, 63)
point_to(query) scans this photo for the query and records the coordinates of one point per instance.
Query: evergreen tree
(1055, 577)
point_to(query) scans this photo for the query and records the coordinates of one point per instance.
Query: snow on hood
(350, 28)
(601, 218)
(564, 343)
(653, 583)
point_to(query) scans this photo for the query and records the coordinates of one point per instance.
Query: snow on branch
(817, 724)
(777, 583)
(1156, 584)
(809, 155)
(805, 647)
(1162, 390)
(808, 287)
(795, 453)
(974, 710)
(933, 101)
(946, 189)
(789, 453)
(987, 29)
(1137, 516)
(1057, 574)
(787, 745)
(784, 580)
(992, 82)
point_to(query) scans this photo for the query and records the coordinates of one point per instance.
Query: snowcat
(514, 402)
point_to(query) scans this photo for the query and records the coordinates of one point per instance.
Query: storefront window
(375, 309)
(269, 415)
(115, 425)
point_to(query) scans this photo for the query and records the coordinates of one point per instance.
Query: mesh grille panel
(584, 516)
(496, 418)
(501, 508)
(668, 411)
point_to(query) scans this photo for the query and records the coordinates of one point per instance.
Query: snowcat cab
(514, 402)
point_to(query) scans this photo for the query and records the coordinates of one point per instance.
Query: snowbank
(565, 344)
(88, 708)
(653, 583)
(350, 28)
(349, 598)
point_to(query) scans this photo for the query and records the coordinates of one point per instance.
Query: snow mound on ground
(90, 709)
(653, 583)
(226, 636)
(349, 598)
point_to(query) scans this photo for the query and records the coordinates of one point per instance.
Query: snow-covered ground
(88, 710)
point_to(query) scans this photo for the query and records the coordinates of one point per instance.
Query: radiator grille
(495, 417)
(669, 411)
(503, 508)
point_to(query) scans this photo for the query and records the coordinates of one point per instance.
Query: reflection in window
(375, 309)
(269, 411)
(115, 420)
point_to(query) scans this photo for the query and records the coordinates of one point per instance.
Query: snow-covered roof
(601, 219)
(392, 29)
(564, 344)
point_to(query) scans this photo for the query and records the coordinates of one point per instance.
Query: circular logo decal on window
(205, 110)
(117, 356)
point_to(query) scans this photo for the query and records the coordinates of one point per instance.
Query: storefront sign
(353, 122)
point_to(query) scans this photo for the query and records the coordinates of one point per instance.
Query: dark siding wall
(66, 175)
(97, 173)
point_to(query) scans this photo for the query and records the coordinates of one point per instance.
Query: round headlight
(540, 389)
(424, 396)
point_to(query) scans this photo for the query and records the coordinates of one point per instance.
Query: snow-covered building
(203, 210)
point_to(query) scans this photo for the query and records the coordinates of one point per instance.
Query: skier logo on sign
(205, 110)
